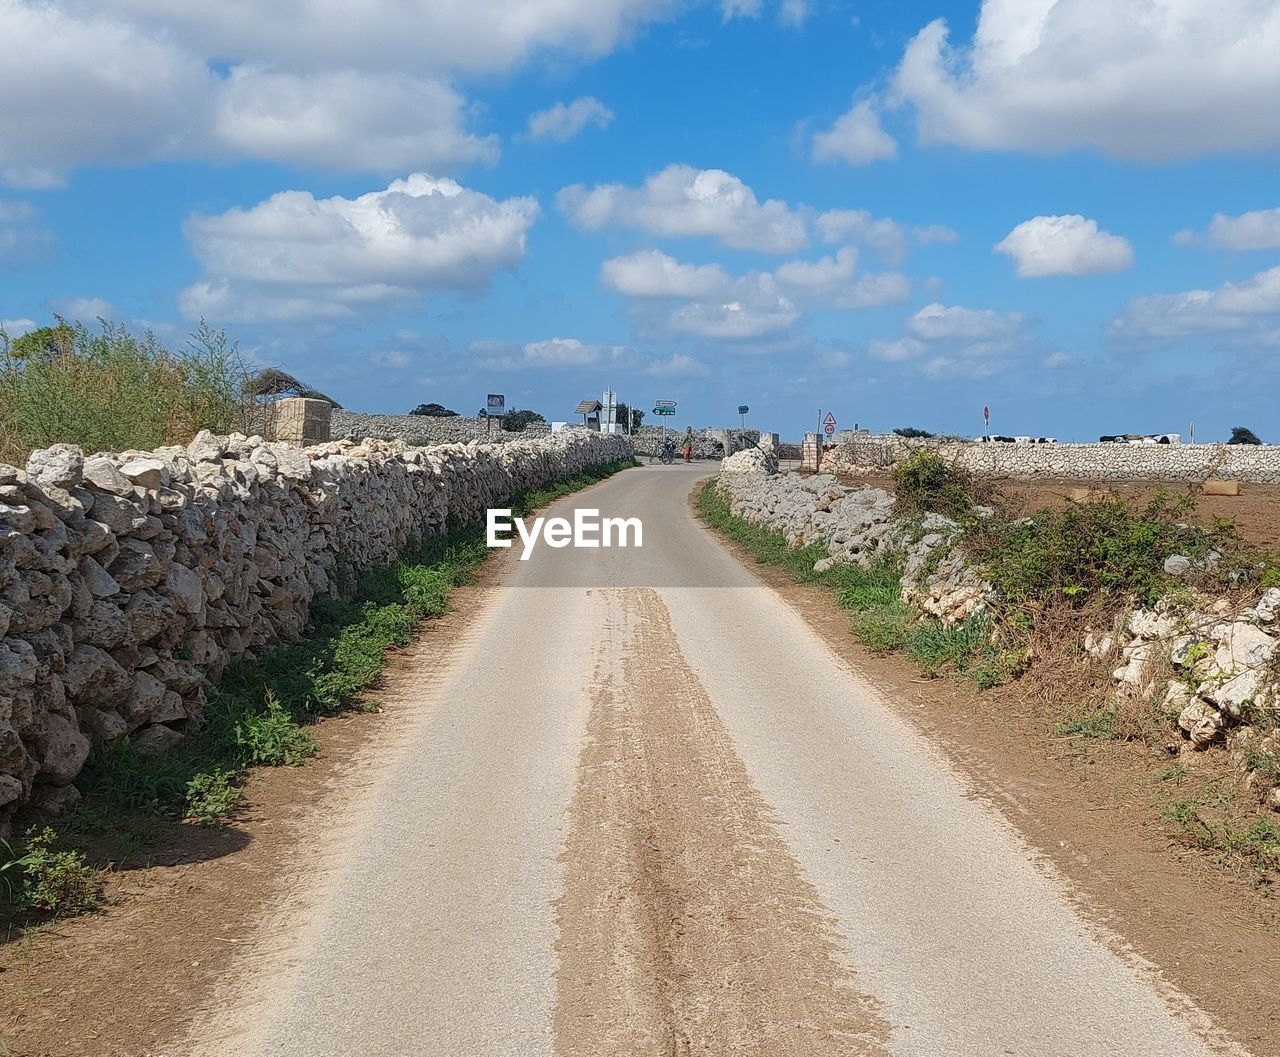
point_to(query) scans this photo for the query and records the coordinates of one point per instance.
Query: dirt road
(647, 811)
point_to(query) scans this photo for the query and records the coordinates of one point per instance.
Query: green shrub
(272, 738)
(924, 482)
(112, 391)
(55, 882)
(1091, 552)
(211, 796)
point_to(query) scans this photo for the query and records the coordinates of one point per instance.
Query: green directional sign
(664, 410)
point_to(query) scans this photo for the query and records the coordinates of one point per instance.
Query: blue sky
(896, 211)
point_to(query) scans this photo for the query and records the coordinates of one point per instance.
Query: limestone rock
(61, 466)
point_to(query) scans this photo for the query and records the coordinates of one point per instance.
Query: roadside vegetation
(259, 716)
(1055, 575)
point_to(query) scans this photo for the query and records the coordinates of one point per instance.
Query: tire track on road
(685, 925)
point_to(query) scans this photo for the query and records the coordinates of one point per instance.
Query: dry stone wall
(854, 525)
(1075, 462)
(127, 581)
(455, 429)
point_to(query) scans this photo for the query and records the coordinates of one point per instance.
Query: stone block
(302, 421)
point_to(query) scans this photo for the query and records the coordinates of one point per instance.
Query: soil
(1255, 512)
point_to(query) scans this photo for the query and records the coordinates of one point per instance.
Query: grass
(880, 621)
(1204, 818)
(260, 713)
(108, 390)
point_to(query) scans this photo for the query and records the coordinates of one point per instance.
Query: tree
(637, 416)
(271, 381)
(41, 343)
(516, 421)
(434, 411)
(1240, 435)
(911, 433)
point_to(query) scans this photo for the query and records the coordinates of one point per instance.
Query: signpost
(495, 406)
(829, 425)
(742, 410)
(662, 409)
(986, 420)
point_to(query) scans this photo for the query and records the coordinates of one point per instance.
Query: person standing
(686, 443)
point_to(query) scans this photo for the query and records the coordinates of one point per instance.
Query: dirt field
(1255, 512)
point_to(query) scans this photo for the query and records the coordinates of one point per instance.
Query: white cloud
(1153, 81)
(23, 240)
(15, 328)
(651, 273)
(1256, 230)
(734, 321)
(550, 353)
(387, 122)
(755, 304)
(393, 358)
(1249, 309)
(353, 87)
(678, 365)
(91, 88)
(794, 13)
(937, 322)
(885, 236)
(86, 309)
(1065, 245)
(896, 351)
(293, 255)
(565, 120)
(683, 201)
(856, 138)
(476, 36)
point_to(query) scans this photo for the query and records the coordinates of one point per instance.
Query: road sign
(664, 403)
(829, 425)
(743, 409)
(496, 404)
(986, 414)
(664, 410)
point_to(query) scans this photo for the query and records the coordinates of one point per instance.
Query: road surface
(646, 811)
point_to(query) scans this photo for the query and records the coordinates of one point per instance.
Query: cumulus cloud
(23, 240)
(549, 353)
(759, 303)
(480, 36)
(1065, 245)
(955, 340)
(91, 87)
(735, 321)
(293, 255)
(684, 201)
(15, 328)
(86, 309)
(678, 365)
(886, 236)
(938, 322)
(651, 273)
(360, 88)
(565, 120)
(1256, 230)
(1247, 310)
(856, 138)
(896, 351)
(1156, 81)
(393, 122)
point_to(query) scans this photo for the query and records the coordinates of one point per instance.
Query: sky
(899, 212)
